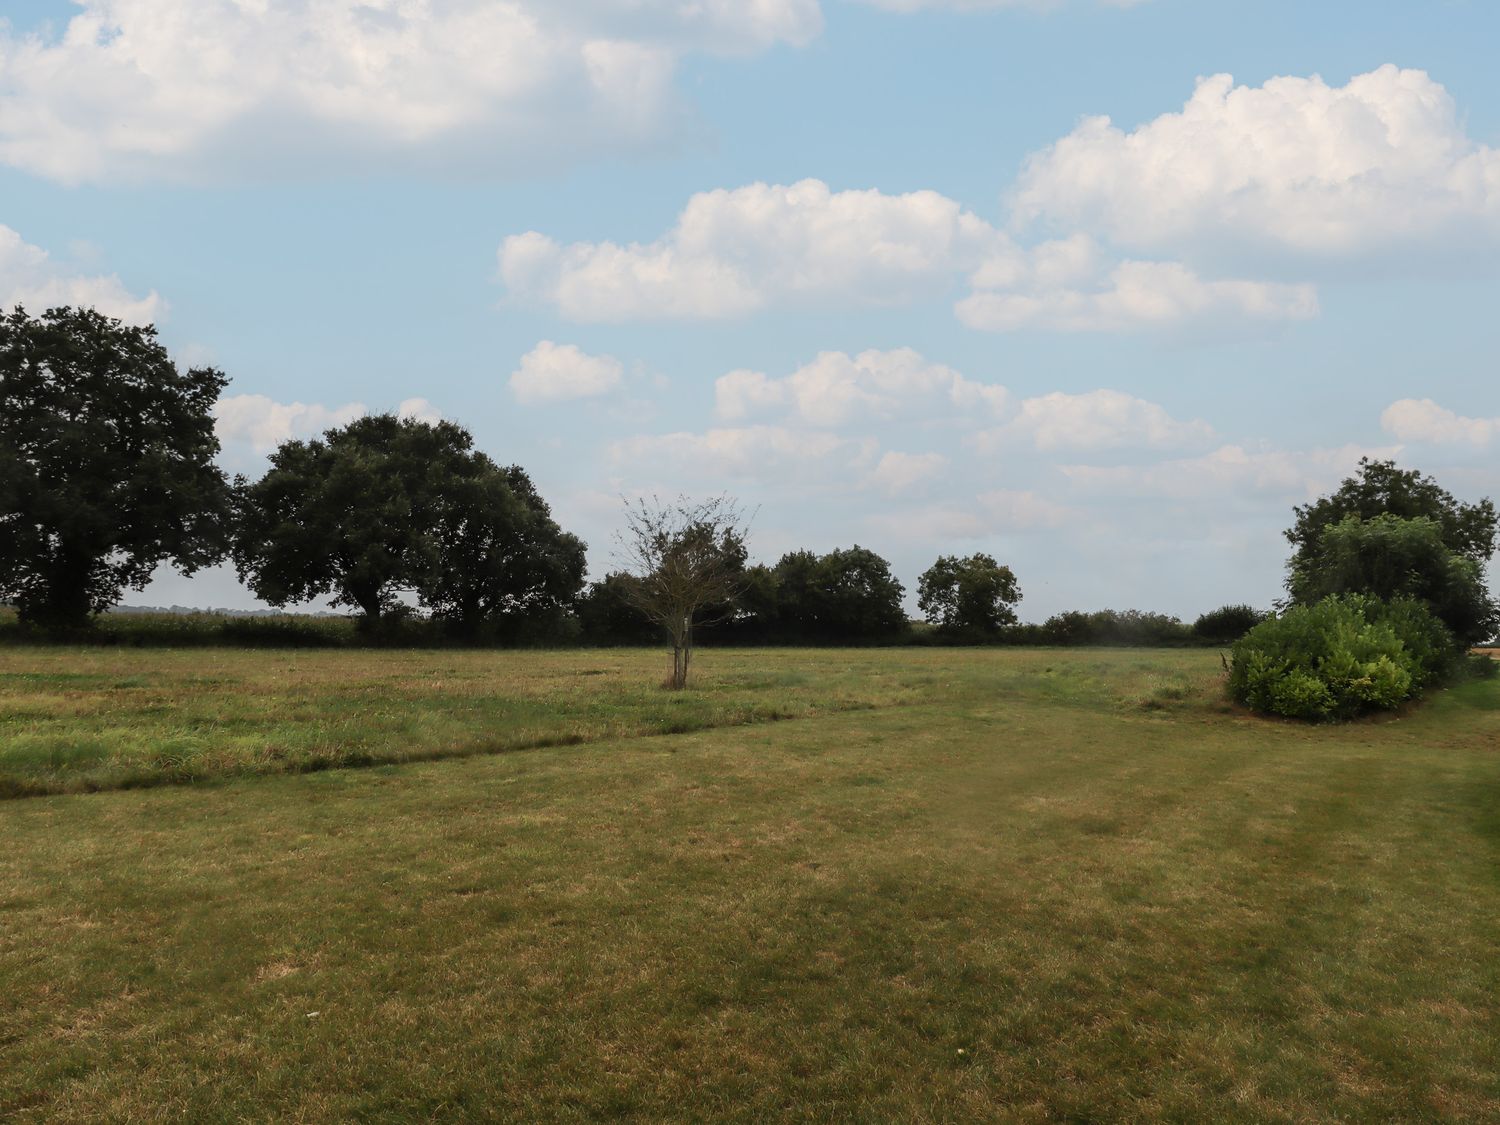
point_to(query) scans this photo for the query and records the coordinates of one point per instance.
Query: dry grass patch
(1008, 892)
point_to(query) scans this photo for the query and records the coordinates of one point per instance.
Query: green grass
(1029, 885)
(75, 719)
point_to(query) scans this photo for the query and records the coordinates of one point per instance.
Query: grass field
(951, 885)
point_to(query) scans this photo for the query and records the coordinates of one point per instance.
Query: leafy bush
(1339, 658)
(1120, 627)
(1227, 624)
(1434, 650)
(1388, 557)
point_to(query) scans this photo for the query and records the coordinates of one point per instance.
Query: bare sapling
(686, 559)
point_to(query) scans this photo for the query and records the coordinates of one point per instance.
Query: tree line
(107, 471)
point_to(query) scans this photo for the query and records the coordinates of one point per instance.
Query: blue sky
(877, 269)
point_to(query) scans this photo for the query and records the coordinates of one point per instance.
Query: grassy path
(1062, 886)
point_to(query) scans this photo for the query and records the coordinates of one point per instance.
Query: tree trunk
(63, 602)
(368, 600)
(681, 639)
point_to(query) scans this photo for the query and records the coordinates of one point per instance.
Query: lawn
(948, 885)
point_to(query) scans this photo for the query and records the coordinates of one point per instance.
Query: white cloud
(30, 276)
(735, 252)
(1423, 420)
(988, 514)
(1102, 419)
(836, 388)
(1297, 166)
(897, 473)
(978, 5)
(554, 372)
(1229, 471)
(732, 252)
(251, 426)
(262, 423)
(419, 409)
(199, 88)
(1133, 296)
(755, 452)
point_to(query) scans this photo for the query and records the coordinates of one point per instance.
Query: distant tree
(1227, 623)
(608, 613)
(352, 515)
(754, 615)
(973, 594)
(503, 563)
(845, 595)
(106, 463)
(687, 562)
(386, 505)
(1380, 488)
(1390, 557)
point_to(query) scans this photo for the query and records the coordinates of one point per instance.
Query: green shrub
(1435, 651)
(1227, 624)
(1116, 627)
(1341, 657)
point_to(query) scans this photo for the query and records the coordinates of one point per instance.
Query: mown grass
(87, 718)
(1024, 885)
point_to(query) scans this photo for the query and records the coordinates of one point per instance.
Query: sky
(1102, 289)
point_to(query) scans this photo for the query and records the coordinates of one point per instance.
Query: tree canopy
(106, 463)
(387, 505)
(503, 562)
(846, 595)
(1381, 488)
(973, 594)
(1390, 557)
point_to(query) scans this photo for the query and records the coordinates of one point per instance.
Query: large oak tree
(106, 463)
(385, 506)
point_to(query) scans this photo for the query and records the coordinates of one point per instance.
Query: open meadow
(907, 884)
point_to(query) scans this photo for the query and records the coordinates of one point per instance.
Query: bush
(1339, 658)
(1125, 628)
(1227, 624)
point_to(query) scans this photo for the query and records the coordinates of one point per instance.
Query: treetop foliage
(387, 505)
(848, 594)
(1389, 557)
(974, 594)
(106, 463)
(1381, 488)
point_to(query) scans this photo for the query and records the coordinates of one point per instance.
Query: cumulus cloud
(758, 452)
(419, 409)
(1103, 419)
(1422, 420)
(261, 423)
(1313, 171)
(1231, 470)
(733, 252)
(30, 276)
(978, 5)
(557, 372)
(897, 473)
(1135, 296)
(257, 424)
(988, 514)
(836, 388)
(198, 88)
